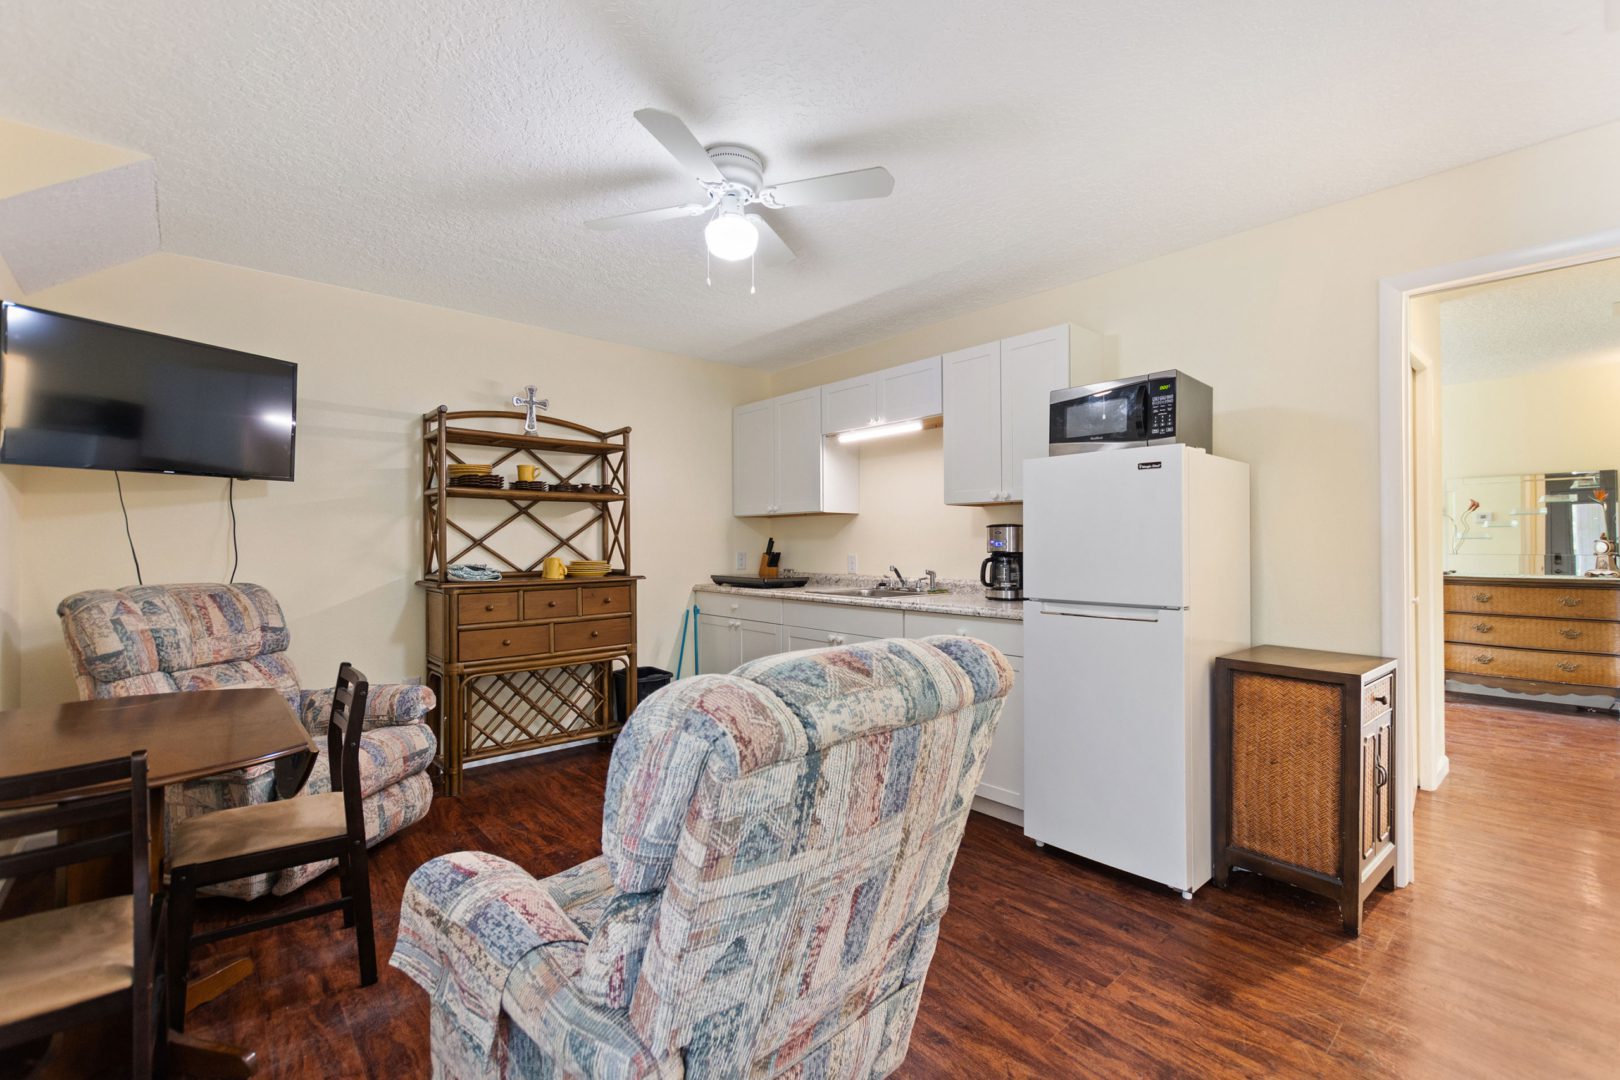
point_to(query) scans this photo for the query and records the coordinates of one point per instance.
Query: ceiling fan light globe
(731, 237)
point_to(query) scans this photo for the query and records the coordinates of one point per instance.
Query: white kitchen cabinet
(907, 392)
(804, 637)
(996, 408)
(725, 643)
(781, 464)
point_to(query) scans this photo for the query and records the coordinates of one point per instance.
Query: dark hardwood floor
(1503, 959)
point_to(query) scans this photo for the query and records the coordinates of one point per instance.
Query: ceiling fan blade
(646, 217)
(773, 250)
(873, 183)
(681, 143)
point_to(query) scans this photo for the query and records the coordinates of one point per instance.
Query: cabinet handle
(1570, 601)
(1484, 658)
(1382, 699)
(961, 631)
(506, 641)
(1570, 633)
(1565, 665)
(609, 600)
(734, 607)
(1484, 627)
(1380, 775)
(551, 603)
(489, 607)
(596, 633)
(1482, 597)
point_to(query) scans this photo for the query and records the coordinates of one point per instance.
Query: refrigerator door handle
(1090, 611)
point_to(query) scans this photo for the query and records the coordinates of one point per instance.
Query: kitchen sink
(873, 593)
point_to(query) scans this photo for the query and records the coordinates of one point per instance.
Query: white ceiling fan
(732, 179)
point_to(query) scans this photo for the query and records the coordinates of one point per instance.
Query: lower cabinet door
(719, 645)
(756, 639)
(802, 637)
(1003, 778)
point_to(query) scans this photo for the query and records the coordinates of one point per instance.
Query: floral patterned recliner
(153, 639)
(777, 844)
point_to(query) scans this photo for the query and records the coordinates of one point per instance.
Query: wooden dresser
(1538, 635)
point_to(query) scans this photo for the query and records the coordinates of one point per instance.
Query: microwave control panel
(1162, 409)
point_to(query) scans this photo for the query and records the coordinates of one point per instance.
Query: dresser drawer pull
(596, 633)
(1484, 627)
(1382, 699)
(607, 599)
(1482, 597)
(1570, 601)
(1484, 658)
(506, 641)
(489, 607)
(551, 603)
(1566, 665)
(1570, 632)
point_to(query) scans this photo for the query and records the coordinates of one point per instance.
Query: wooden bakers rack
(526, 661)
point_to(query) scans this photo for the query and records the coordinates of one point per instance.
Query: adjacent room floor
(1501, 961)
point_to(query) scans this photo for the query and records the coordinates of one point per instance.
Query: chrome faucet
(933, 581)
(898, 576)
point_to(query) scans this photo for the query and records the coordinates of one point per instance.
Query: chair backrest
(796, 823)
(343, 742)
(152, 639)
(90, 823)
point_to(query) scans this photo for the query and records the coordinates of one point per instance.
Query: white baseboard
(1442, 769)
(1000, 811)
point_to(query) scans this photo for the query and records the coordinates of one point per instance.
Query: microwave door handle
(1139, 410)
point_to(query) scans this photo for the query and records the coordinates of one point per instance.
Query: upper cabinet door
(852, 403)
(972, 389)
(799, 446)
(1032, 366)
(753, 459)
(910, 391)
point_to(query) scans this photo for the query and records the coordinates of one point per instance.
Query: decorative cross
(532, 405)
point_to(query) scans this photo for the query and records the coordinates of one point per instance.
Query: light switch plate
(852, 567)
(742, 560)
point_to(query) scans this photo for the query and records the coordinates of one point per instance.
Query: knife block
(770, 564)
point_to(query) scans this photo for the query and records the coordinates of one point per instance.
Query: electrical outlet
(742, 560)
(852, 566)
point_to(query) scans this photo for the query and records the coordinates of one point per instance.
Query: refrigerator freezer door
(1107, 528)
(1106, 739)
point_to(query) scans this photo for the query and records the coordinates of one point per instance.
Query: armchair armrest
(387, 705)
(465, 922)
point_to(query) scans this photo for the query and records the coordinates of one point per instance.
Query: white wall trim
(1395, 471)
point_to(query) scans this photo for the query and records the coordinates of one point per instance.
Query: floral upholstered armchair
(154, 639)
(777, 844)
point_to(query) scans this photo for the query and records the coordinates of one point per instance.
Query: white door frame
(1398, 585)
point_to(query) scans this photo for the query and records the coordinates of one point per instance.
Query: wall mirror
(1529, 524)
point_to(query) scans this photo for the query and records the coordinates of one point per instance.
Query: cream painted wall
(1282, 320)
(340, 547)
(1551, 421)
(10, 639)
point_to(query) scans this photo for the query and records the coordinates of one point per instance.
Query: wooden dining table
(186, 736)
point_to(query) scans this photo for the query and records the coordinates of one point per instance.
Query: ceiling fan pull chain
(751, 260)
(708, 278)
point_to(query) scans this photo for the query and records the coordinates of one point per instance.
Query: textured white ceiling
(1523, 325)
(448, 150)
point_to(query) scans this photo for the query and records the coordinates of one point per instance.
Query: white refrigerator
(1136, 574)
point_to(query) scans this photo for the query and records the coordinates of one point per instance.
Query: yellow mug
(526, 473)
(553, 569)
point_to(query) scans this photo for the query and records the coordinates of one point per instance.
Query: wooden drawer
(541, 604)
(593, 634)
(477, 607)
(1562, 635)
(1572, 602)
(498, 644)
(1377, 697)
(1576, 669)
(1005, 634)
(604, 600)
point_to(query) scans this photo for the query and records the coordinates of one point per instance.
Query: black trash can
(648, 679)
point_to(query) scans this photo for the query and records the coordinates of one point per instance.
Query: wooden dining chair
(212, 848)
(71, 965)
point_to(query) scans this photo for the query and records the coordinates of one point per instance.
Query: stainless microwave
(1149, 410)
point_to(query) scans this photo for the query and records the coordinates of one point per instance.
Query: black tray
(754, 581)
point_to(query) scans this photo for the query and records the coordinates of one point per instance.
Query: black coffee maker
(1002, 574)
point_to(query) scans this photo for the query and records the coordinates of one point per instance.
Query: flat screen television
(89, 395)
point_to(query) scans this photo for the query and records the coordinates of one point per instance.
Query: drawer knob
(1570, 601)
(1570, 632)
(1482, 597)
(551, 603)
(506, 641)
(596, 633)
(1382, 699)
(1484, 627)
(1566, 665)
(607, 599)
(1484, 658)
(489, 607)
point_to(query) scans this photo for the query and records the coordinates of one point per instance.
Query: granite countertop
(960, 598)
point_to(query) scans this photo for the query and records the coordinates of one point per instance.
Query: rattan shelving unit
(527, 661)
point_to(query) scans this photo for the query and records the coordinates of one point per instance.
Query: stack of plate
(474, 476)
(588, 568)
(456, 468)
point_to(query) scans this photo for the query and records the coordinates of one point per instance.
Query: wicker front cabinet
(1304, 771)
